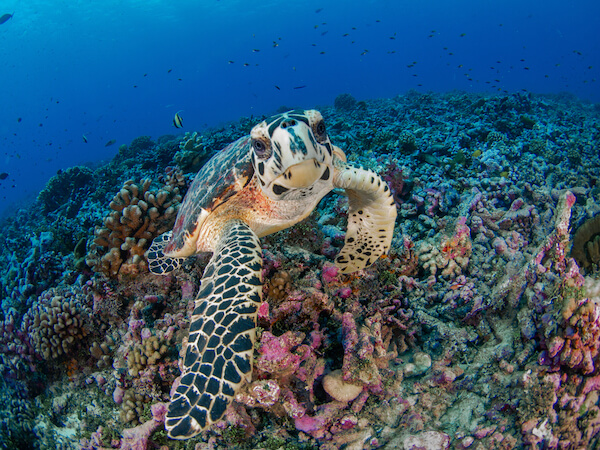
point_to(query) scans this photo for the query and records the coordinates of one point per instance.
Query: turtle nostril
(288, 123)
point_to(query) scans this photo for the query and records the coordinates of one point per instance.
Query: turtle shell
(223, 176)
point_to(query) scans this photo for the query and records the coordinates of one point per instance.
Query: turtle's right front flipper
(218, 356)
(158, 263)
(371, 216)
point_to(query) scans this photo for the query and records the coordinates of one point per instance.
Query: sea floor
(480, 329)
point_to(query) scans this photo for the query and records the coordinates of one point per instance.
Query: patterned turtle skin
(260, 184)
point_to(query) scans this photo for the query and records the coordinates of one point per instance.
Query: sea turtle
(259, 184)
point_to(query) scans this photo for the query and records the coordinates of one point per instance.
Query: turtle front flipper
(218, 356)
(371, 216)
(158, 263)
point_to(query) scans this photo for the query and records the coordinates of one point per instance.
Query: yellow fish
(177, 120)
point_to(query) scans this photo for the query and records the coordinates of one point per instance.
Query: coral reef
(479, 329)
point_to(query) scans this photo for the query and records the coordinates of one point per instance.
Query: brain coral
(586, 243)
(139, 215)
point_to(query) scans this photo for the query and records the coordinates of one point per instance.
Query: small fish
(177, 120)
(246, 64)
(300, 87)
(111, 142)
(169, 71)
(3, 176)
(277, 87)
(275, 44)
(19, 119)
(4, 18)
(256, 50)
(318, 10)
(84, 138)
(463, 34)
(230, 62)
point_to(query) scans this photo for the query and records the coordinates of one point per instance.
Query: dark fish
(318, 10)
(300, 87)
(230, 62)
(19, 119)
(177, 120)
(111, 142)
(169, 71)
(84, 138)
(5, 18)
(277, 87)
(3, 176)
(256, 50)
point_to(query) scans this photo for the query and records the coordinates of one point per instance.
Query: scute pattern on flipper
(158, 263)
(371, 217)
(218, 356)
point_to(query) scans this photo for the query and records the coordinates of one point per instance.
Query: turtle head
(292, 155)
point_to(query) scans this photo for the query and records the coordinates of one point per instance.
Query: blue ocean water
(115, 70)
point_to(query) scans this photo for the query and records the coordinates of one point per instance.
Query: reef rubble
(479, 330)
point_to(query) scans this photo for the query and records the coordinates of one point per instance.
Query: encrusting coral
(139, 215)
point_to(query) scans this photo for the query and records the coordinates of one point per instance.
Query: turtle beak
(301, 175)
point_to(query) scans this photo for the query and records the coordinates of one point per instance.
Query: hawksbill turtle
(259, 184)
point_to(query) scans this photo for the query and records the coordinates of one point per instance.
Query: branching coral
(139, 215)
(132, 408)
(451, 254)
(192, 152)
(56, 324)
(148, 353)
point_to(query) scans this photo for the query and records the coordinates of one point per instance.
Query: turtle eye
(260, 148)
(320, 131)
